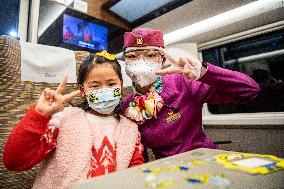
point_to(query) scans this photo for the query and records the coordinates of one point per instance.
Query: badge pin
(172, 116)
(139, 40)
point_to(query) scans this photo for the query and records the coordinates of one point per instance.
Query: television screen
(84, 33)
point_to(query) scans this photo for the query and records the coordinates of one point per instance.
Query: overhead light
(221, 20)
(13, 34)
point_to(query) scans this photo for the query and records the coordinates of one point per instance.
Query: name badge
(172, 116)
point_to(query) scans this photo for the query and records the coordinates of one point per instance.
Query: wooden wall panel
(95, 9)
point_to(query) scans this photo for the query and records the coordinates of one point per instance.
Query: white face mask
(142, 72)
(104, 100)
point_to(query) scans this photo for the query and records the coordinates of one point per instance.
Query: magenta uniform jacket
(178, 127)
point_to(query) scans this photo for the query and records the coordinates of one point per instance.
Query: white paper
(42, 63)
(65, 2)
(252, 162)
(81, 5)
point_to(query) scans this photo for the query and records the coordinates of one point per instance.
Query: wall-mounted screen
(84, 33)
(65, 27)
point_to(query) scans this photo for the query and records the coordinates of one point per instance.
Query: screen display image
(84, 33)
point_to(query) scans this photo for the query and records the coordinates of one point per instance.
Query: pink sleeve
(31, 141)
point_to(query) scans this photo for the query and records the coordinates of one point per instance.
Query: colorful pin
(172, 116)
(197, 179)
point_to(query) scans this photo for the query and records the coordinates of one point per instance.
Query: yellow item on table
(252, 163)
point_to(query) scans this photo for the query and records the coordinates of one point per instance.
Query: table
(135, 177)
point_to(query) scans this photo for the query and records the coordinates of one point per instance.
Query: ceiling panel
(137, 12)
(193, 12)
(199, 10)
(132, 10)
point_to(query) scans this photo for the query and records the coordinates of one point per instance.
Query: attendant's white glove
(189, 67)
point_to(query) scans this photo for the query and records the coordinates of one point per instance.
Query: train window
(262, 58)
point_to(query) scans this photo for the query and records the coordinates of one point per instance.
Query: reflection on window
(262, 58)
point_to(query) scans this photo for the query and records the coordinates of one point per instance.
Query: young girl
(77, 143)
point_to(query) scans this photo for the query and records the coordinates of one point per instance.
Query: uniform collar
(157, 86)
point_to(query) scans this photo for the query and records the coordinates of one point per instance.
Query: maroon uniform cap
(142, 37)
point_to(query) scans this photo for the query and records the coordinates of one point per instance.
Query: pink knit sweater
(70, 162)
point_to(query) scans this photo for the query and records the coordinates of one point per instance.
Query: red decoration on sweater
(103, 160)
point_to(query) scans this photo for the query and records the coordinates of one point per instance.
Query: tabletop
(185, 170)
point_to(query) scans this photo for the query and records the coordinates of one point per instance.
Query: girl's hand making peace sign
(189, 67)
(51, 102)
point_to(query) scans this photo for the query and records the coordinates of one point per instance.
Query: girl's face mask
(142, 72)
(104, 100)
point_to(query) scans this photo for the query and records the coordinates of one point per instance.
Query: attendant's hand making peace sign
(51, 101)
(189, 67)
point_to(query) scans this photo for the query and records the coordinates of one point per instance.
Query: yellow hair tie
(106, 55)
